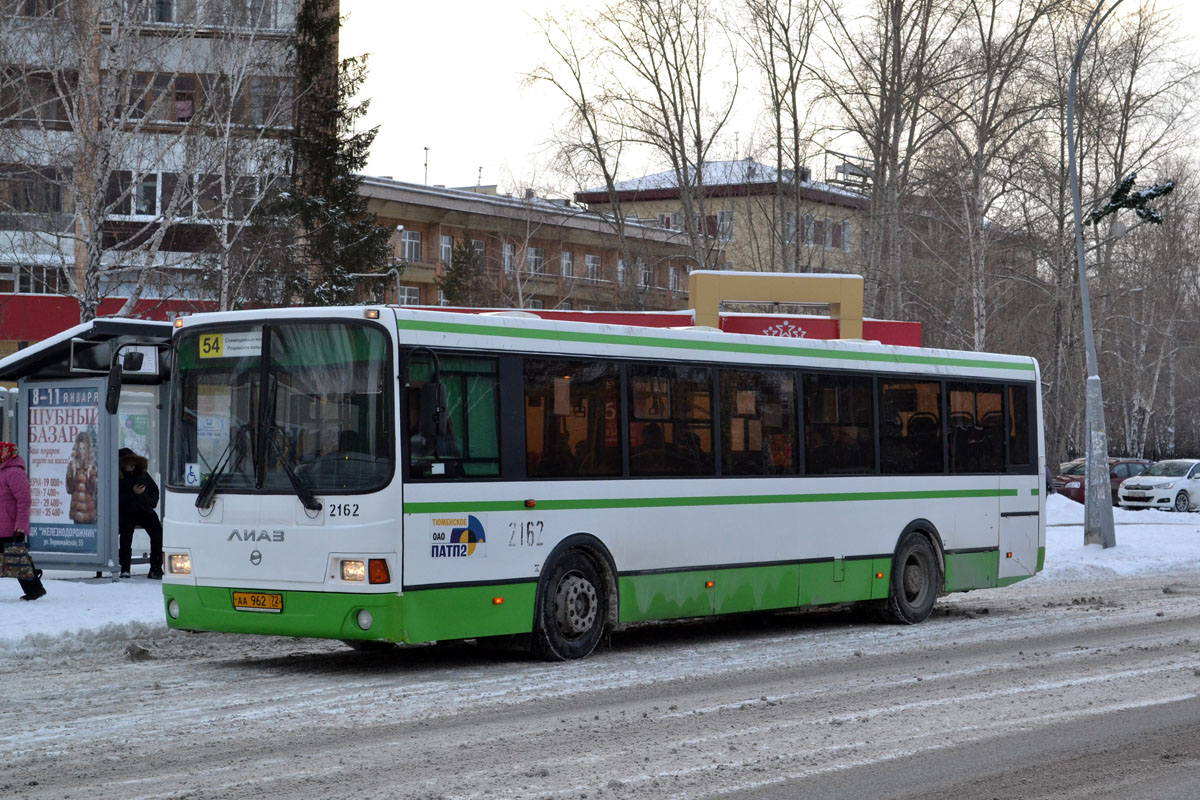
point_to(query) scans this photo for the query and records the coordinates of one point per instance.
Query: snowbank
(88, 609)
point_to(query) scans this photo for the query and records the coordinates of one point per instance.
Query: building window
(30, 190)
(673, 279)
(268, 103)
(789, 227)
(34, 8)
(809, 228)
(447, 249)
(535, 260)
(672, 221)
(160, 11)
(620, 270)
(725, 226)
(185, 105)
(408, 295)
(592, 266)
(565, 305)
(509, 253)
(480, 248)
(846, 237)
(535, 303)
(145, 196)
(646, 274)
(410, 246)
(253, 14)
(41, 280)
(567, 261)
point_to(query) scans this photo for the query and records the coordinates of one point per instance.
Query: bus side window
(467, 444)
(910, 428)
(977, 428)
(839, 428)
(571, 425)
(670, 425)
(1019, 446)
(758, 424)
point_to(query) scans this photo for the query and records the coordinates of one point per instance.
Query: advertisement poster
(62, 468)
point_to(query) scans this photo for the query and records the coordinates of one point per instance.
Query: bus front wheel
(571, 609)
(913, 588)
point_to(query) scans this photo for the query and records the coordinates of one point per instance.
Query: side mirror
(132, 360)
(112, 399)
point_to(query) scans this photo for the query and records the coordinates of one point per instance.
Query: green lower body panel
(411, 618)
(666, 595)
(972, 570)
(756, 588)
(674, 595)
(844, 580)
(469, 612)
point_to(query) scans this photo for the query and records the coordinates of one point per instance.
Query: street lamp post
(1098, 518)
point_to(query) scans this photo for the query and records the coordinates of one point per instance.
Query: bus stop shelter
(70, 443)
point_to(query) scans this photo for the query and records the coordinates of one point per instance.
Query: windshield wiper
(208, 489)
(302, 491)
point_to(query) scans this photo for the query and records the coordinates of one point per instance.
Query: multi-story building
(533, 253)
(759, 219)
(136, 139)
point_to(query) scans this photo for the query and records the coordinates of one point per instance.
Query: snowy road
(793, 706)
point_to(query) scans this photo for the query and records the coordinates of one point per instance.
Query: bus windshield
(290, 408)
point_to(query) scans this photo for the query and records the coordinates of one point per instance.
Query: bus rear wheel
(913, 588)
(571, 609)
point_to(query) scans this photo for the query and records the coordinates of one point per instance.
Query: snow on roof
(722, 173)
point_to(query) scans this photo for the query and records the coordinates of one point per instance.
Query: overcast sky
(448, 76)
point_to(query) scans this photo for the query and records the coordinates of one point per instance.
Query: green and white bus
(389, 475)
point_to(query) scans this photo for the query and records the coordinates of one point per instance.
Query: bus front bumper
(411, 618)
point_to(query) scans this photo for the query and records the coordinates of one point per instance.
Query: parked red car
(1069, 482)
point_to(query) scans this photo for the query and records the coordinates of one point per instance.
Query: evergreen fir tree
(335, 233)
(463, 282)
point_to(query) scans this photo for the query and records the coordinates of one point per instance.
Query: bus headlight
(179, 564)
(354, 571)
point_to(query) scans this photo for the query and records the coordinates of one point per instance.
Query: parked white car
(1172, 484)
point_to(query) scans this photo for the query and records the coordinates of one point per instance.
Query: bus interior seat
(922, 425)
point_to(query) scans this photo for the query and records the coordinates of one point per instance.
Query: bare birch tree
(661, 53)
(1135, 102)
(590, 146)
(882, 75)
(987, 117)
(778, 38)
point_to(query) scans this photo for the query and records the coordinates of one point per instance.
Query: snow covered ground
(1148, 542)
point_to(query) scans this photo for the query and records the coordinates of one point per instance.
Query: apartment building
(137, 138)
(758, 218)
(533, 252)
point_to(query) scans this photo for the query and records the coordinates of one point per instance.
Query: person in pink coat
(14, 524)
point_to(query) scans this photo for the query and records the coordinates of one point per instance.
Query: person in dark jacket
(138, 507)
(14, 524)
